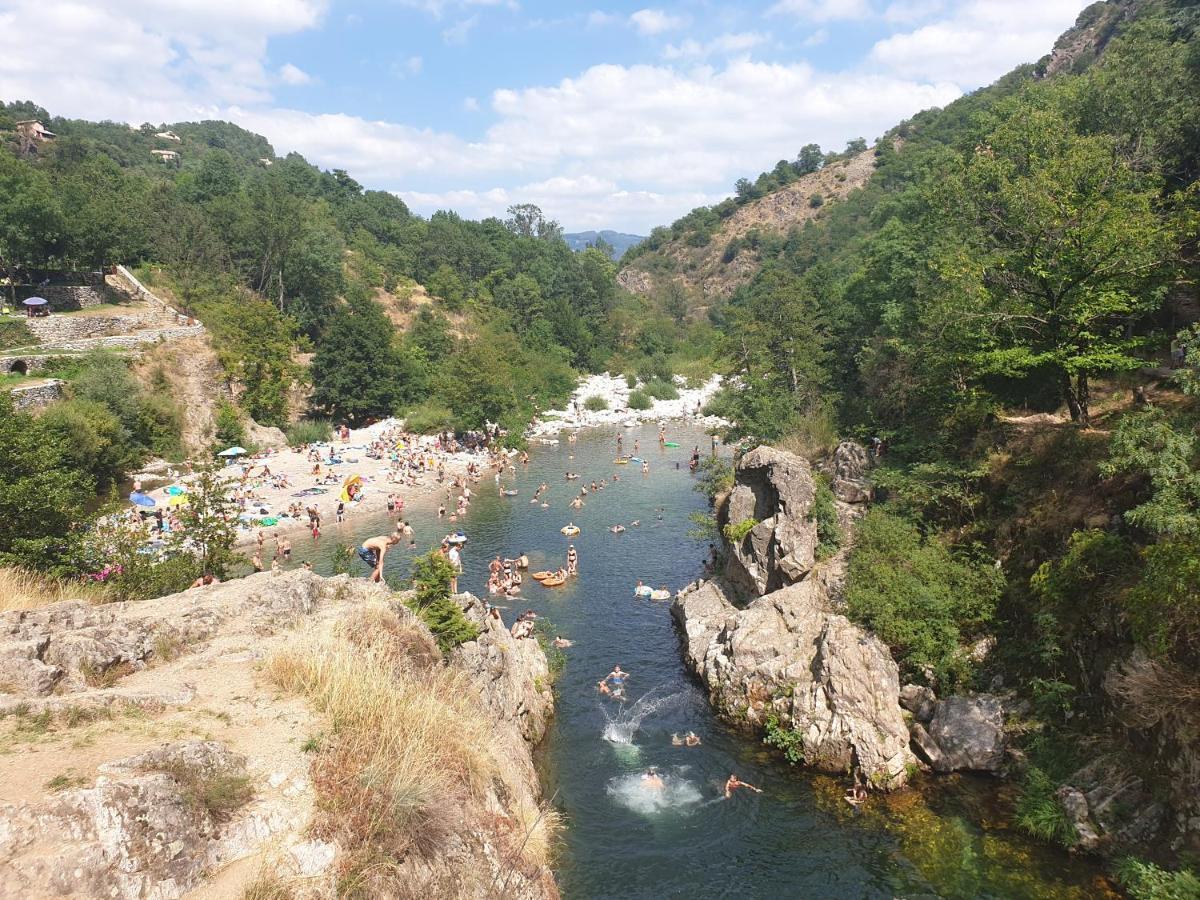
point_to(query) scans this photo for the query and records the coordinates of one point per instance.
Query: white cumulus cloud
(979, 41)
(294, 75)
(822, 10)
(654, 21)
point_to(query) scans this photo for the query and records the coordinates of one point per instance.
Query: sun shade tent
(139, 499)
(36, 306)
(233, 451)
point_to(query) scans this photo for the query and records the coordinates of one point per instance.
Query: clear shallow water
(797, 839)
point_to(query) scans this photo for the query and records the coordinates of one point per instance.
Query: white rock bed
(616, 391)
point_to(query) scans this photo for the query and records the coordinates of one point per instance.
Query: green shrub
(309, 431)
(640, 400)
(920, 598)
(735, 534)
(785, 739)
(715, 476)
(15, 333)
(816, 201)
(432, 574)
(428, 418)
(1146, 881)
(661, 389)
(630, 380)
(1038, 811)
(231, 430)
(595, 403)
(824, 513)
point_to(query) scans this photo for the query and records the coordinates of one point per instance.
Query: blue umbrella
(140, 499)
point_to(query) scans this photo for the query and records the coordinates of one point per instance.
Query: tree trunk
(1077, 396)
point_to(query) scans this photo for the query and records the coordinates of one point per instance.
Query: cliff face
(787, 657)
(705, 272)
(194, 743)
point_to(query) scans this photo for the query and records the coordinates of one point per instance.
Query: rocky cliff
(768, 640)
(194, 745)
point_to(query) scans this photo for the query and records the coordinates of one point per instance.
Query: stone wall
(130, 341)
(36, 396)
(65, 297)
(24, 364)
(57, 329)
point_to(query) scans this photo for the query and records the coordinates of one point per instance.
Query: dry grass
(814, 439)
(21, 589)
(410, 745)
(540, 834)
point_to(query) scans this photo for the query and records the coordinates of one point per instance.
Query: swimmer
(676, 740)
(602, 687)
(691, 739)
(734, 783)
(652, 780)
(617, 677)
(856, 795)
(562, 643)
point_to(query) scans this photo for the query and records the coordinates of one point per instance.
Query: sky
(607, 114)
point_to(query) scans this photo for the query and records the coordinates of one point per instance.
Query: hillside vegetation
(1004, 308)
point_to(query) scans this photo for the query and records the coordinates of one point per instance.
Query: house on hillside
(31, 133)
(166, 155)
(168, 136)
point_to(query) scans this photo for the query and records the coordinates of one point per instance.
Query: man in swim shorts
(617, 677)
(373, 550)
(734, 783)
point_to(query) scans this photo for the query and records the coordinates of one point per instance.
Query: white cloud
(654, 21)
(460, 30)
(293, 75)
(598, 18)
(822, 10)
(904, 11)
(979, 41)
(818, 37)
(723, 45)
(409, 66)
(470, 104)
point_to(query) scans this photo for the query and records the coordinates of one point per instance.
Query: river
(796, 839)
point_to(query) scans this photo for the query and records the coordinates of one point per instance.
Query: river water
(796, 839)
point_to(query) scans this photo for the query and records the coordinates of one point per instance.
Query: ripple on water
(668, 793)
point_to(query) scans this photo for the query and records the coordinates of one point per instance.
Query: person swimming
(652, 780)
(617, 677)
(691, 739)
(734, 783)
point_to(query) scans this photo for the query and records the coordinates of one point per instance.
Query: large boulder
(969, 732)
(775, 489)
(786, 657)
(851, 467)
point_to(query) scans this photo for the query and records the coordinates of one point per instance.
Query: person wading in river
(734, 783)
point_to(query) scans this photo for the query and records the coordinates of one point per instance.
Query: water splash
(622, 726)
(672, 793)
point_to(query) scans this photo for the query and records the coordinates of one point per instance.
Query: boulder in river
(969, 732)
(785, 660)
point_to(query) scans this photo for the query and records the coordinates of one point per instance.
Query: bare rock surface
(124, 725)
(969, 732)
(775, 489)
(785, 656)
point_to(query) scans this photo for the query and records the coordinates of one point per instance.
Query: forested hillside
(1006, 310)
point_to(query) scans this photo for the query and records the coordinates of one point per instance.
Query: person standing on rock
(373, 550)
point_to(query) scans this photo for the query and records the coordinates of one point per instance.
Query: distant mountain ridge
(619, 240)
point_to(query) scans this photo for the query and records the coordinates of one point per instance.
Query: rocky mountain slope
(165, 748)
(706, 272)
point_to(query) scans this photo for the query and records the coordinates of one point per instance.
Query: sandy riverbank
(271, 498)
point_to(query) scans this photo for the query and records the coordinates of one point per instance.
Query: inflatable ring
(570, 530)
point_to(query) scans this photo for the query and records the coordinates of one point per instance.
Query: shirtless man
(617, 677)
(734, 783)
(374, 549)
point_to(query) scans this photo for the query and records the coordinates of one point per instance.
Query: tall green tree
(356, 370)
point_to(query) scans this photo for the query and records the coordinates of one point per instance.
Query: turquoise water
(797, 839)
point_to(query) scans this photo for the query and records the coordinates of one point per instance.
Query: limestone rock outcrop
(1110, 806)
(775, 490)
(851, 473)
(786, 657)
(151, 753)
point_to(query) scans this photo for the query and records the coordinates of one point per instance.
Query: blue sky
(607, 114)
